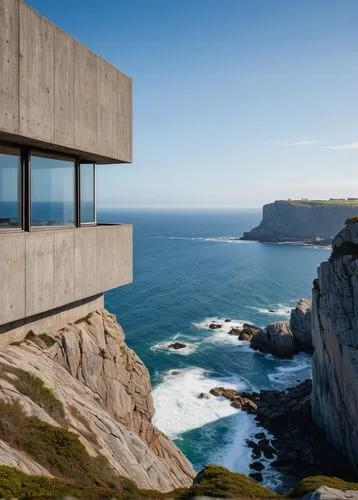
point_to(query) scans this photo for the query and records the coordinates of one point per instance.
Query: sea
(188, 272)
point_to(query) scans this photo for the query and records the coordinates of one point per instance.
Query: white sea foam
(185, 351)
(276, 310)
(221, 335)
(178, 408)
(297, 369)
(217, 239)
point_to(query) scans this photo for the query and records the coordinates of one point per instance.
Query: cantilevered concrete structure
(63, 110)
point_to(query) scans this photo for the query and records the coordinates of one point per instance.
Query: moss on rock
(312, 483)
(216, 481)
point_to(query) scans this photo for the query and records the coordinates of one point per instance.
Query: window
(10, 199)
(87, 193)
(52, 191)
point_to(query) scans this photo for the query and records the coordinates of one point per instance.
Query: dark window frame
(24, 188)
(20, 199)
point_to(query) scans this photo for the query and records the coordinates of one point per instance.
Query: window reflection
(87, 193)
(52, 191)
(10, 205)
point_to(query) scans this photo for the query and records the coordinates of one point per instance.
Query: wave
(221, 334)
(291, 372)
(185, 351)
(276, 310)
(178, 407)
(217, 239)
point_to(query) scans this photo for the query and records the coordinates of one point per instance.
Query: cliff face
(105, 392)
(335, 341)
(294, 221)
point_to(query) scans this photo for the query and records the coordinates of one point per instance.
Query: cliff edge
(335, 341)
(84, 379)
(302, 220)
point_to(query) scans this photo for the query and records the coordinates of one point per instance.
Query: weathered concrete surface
(335, 342)
(9, 68)
(105, 390)
(43, 270)
(55, 93)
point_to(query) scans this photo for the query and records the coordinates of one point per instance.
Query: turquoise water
(186, 272)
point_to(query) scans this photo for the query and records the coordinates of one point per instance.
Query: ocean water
(187, 273)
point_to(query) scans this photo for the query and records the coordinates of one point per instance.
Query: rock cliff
(335, 341)
(104, 391)
(302, 220)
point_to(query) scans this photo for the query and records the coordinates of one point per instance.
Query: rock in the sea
(176, 346)
(248, 331)
(203, 395)
(227, 320)
(276, 339)
(226, 393)
(234, 331)
(300, 324)
(335, 342)
(215, 326)
(258, 466)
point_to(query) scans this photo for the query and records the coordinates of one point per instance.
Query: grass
(334, 202)
(216, 481)
(14, 483)
(34, 388)
(47, 339)
(312, 483)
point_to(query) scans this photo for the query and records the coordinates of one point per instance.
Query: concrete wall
(46, 269)
(56, 93)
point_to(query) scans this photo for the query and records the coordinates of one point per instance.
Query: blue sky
(236, 102)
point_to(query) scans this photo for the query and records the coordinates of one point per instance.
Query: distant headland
(305, 221)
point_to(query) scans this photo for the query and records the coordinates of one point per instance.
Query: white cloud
(293, 143)
(352, 145)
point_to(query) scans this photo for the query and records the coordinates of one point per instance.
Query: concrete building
(63, 110)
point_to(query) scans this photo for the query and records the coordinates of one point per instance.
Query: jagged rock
(176, 346)
(327, 493)
(276, 339)
(202, 395)
(234, 331)
(249, 331)
(257, 476)
(215, 326)
(105, 391)
(258, 466)
(227, 320)
(226, 393)
(300, 324)
(335, 342)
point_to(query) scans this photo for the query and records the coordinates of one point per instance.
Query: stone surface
(326, 493)
(106, 391)
(276, 339)
(299, 221)
(300, 324)
(335, 342)
(176, 346)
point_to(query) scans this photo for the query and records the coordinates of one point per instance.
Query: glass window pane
(52, 192)
(10, 204)
(87, 192)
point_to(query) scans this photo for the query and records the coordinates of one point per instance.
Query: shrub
(216, 481)
(344, 249)
(58, 450)
(34, 388)
(312, 483)
(351, 220)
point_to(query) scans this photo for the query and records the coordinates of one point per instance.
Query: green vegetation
(47, 339)
(312, 483)
(34, 388)
(14, 483)
(332, 202)
(351, 220)
(344, 249)
(216, 481)
(55, 448)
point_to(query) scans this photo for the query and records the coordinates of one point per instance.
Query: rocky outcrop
(246, 332)
(105, 392)
(300, 324)
(284, 339)
(327, 493)
(276, 339)
(335, 341)
(302, 220)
